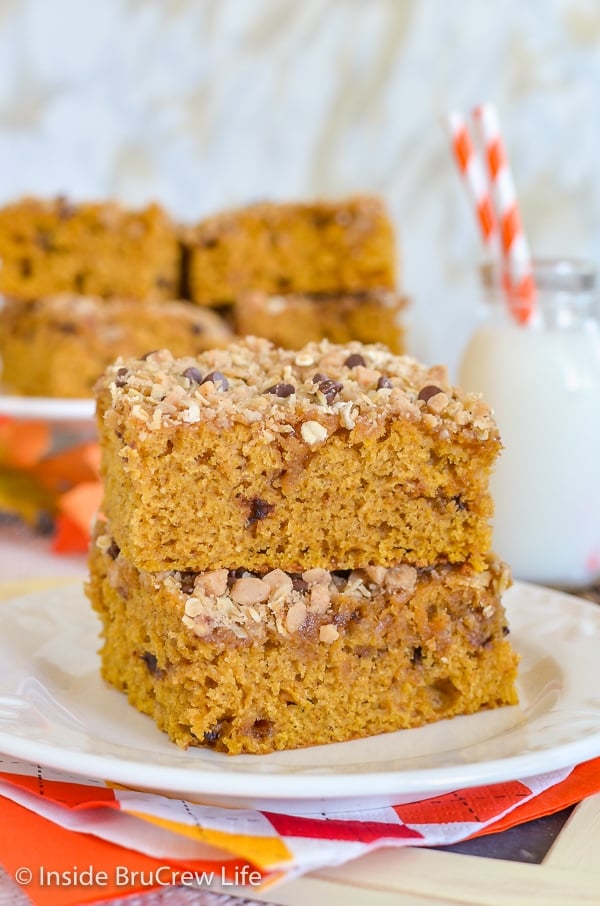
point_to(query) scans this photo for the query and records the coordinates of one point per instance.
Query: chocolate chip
(234, 574)
(330, 389)
(259, 509)
(25, 267)
(459, 502)
(417, 655)
(187, 583)
(43, 239)
(299, 584)
(318, 378)
(113, 550)
(384, 383)
(281, 390)
(505, 630)
(193, 375)
(427, 392)
(215, 377)
(212, 736)
(121, 378)
(150, 661)
(342, 573)
(353, 360)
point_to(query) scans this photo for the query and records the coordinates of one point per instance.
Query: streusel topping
(317, 389)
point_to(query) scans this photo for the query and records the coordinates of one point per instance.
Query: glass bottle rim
(574, 275)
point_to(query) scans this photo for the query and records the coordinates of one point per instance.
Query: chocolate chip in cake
(384, 383)
(121, 378)
(113, 550)
(281, 390)
(25, 267)
(151, 662)
(259, 509)
(43, 239)
(193, 375)
(417, 655)
(218, 379)
(353, 360)
(212, 736)
(459, 502)
(299, 584)
(427, 392)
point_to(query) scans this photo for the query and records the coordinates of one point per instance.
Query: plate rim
(47, 408)
(197, 780)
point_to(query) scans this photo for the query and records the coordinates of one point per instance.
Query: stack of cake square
(82, 283)
(295, 272)
(295, 546)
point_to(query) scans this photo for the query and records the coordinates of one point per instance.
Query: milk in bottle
(543, 382)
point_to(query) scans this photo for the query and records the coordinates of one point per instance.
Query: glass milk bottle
(543, 382)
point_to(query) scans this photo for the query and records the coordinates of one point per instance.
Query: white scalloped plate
(47, 408)
(55, 710)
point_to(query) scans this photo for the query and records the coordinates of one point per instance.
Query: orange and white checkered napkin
(75, 840)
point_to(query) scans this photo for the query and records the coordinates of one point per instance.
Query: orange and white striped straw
(518, 269)
(475, 180)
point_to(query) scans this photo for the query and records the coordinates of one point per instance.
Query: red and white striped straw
(475, 180)
(515, 249)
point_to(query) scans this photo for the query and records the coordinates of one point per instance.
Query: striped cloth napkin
(76, 840)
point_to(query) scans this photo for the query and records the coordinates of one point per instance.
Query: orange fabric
(33, 481)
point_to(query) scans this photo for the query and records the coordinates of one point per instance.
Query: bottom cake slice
(244, 663)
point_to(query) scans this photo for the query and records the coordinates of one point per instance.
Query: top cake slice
(337, 457)
(310, 247)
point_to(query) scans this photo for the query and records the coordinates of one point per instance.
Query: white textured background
(203, 104)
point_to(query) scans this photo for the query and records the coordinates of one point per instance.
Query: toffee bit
(282, 390)
(353, 360)
(218, 379)
(193, 375)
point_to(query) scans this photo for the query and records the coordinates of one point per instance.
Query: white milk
(544, 386)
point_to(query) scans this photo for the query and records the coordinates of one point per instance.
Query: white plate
(47, 408)
(54, 709)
